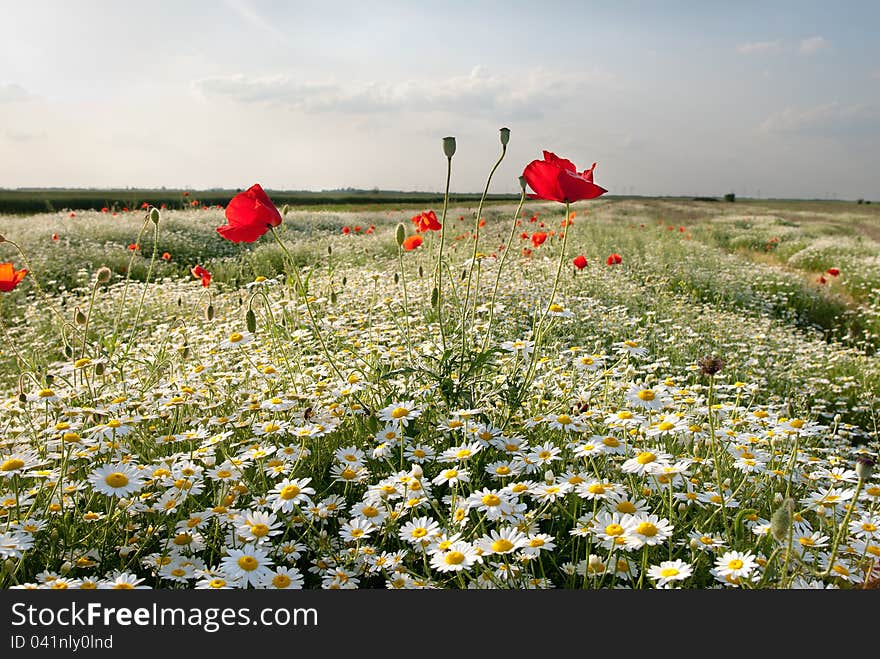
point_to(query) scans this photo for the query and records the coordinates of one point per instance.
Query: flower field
(576, 391)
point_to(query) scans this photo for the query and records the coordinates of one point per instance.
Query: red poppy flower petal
(242, 233)
(556, 161)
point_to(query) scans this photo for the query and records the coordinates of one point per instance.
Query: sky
(763, 99)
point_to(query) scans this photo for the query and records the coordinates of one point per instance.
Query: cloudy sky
(678, 98)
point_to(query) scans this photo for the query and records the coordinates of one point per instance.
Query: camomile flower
(237, 339)
(867, 526)
(547, 492)
(559, 311)
(459, 556)
(646, 462)
(290, 493)
(494, 504)
(649, 530)
(461, 452)
(735, 564)
(630, 347)
(504, 541)
(349, 455)
(564, 422)
(595, 489)
(283, 578)
(648, 398)
(421, 531)
(705, 541)
(589, 362)
(356, 529)
(277, 404)
(452, 476)
(670, 571)
(14, 543)
(400, 413)
(117, 480)
(612, 529)
(257, 527)
(521, 346)
(248, 566)
(535, 543)
(15, 464)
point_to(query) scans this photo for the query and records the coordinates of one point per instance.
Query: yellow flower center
(399, 412)
(646, 529)
(248, 563)
(116, 479)
(614, 530)
(491, 500)
(502, 470)
(454, 558)
(13, 464)
(281, 581)
(259, 530)
(556, 308)
(645, 458)
(665, 425)
(502, 545)
(626, 507)
(46, 393)
(646, 395)
(735, 564)
(536, 542)
(182, 539)
(563, 419)
(217, 583)
(668, 572)
(114, 423)
(235, 337)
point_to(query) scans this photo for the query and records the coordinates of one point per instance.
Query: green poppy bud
(505, 136)
(421, 272)
(79, 317)
(400, 234)
(251, 320)
(435, 297)
(333, 297)
(100, 368)
(780, 521)
(209, 312)
(154, 215)
(522, 183)
(449, 146)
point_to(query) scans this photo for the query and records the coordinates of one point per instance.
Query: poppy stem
(439, 269)
(500, 268)
(467, 295)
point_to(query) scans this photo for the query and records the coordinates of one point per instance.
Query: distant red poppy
(557, 179)
(371, 229)
(526, 252)
(133, 247)
(834, 272)
(413, 242)
(200, 273)
(186, 194)
(614, 259)
(538, 238)
(194, 202)
(426, 221)
(10, 277)
(822, 279)
(55, 237)
(358, 228)
(580, 262)
(105, 210)
(72, 214)
(249, 215)
(166, 256)
(346, 230)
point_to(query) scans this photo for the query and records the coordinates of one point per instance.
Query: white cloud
(759, 47)
(813, 45)
(827, 119)
(480, 92)
(12, 93)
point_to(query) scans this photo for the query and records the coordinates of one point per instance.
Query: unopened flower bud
(284, 209)
(154, 215)
(549, 476)
(777, 498)
(329, 250)
(780, 521)
(435, 296)
(103, 274)
(209, 312)
(864, 467)
(400, 234)
(505, 136)
(251, 320)
(421, 272)
(65, 568)
(79, 317)
(694, 543)
(416, 471)
(99, 368)
(682, 508)
(522, 183)
(449, 146)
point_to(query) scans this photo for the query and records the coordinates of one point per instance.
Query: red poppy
(72, 214)
(412, 243)
(426, 222)
(194, 202)
(614, 259)
(526, 252)
(144, 205)
(166, 256)
(538, 238)
(249, 215)
(358, 228)
(580, 262)
(10, 277)
(200, 273)
(105, 210)
(822, 279)
(557, 179)
(55, 237)
(833, 272)
(371, 229)
(133, 247)
(346, 230)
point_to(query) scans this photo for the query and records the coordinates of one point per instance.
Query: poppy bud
(780, 521)
(421, 272)
(400, 234)
(103, 274)
(49, 379)
(251, 320)
(329, 249)
(396, 277)
(344, 280)
(209, 312)
(179, 301)
(99, 368)
(522, 183)
(864, 467)
(185, 352)
(22, 397)
(505, 136)
(449, 146)
(68, 351)
(435, 296)
(79, 317)
(154, 215)
(333, 297)
(284, 209)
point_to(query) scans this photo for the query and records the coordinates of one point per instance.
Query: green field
(353, 380)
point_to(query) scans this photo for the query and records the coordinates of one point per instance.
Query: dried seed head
(449, 146)
(710, 365)
(103, 274)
